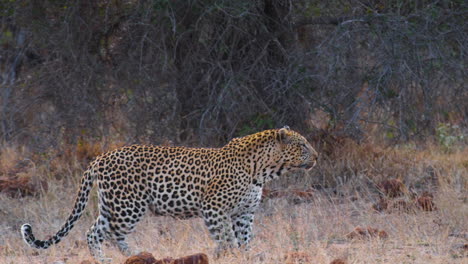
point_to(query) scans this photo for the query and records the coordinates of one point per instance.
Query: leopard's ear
(283, 134)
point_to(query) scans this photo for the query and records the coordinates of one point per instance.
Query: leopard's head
(295, 151)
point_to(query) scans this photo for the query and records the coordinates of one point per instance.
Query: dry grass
(314, 231)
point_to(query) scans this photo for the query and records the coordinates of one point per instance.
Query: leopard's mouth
(309, 165)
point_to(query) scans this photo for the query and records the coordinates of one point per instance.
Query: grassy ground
(285, 231)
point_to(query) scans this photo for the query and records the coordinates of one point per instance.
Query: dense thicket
(208, 70)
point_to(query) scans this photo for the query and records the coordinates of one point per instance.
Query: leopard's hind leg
(95, 237)
(103, 230)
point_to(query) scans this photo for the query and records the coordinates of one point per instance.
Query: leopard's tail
(80, 203)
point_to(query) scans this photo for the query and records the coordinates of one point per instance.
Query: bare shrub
(386, 63)
(205, 71)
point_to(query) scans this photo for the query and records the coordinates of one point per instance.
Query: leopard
(222, 185)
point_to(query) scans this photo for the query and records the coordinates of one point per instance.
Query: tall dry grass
(285, 232)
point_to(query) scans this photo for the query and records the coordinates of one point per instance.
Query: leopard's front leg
(216, 209)
(242, 225)
(220, 227)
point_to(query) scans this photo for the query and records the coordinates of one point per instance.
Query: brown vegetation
(381, 205)
(295, 195)
(366, 233)
(19, 187)
(17, 177)
(141, 258)
(87, 151)
(425, 201)
(338, 261)
(406, 204)
(297, 257)
(87, 262)
(402, 206)
(148, 258)
(192, 259)
(392, 187)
